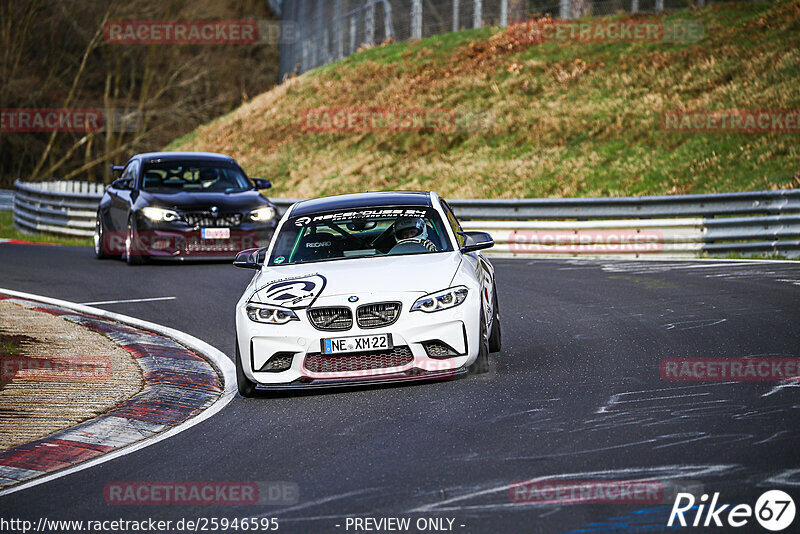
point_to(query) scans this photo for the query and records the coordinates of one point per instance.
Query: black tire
(245, 386)
(131, 256)
(495, 337)
(481, 364)
(100, 250)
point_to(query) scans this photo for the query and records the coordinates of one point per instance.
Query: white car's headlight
(261, 313)
(160, 214)
(441, 300)
(262, 214)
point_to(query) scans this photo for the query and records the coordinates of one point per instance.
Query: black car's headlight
(160, 214)
(441, 300)
(262, 214)
(262, 313)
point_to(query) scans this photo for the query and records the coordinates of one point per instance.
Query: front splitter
(412, 375)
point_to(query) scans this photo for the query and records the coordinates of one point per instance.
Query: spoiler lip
(412, 375)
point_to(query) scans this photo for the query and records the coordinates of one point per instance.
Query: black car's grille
(366, 361)
(215, 245)
(205, 219)
(377, 315)
(332, 319)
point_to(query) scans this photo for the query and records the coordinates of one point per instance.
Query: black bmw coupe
(182, 205)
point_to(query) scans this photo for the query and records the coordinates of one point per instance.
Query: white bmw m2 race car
(366, 288)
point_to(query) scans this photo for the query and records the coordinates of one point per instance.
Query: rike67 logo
(774, 511)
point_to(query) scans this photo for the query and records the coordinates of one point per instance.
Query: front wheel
(495, 338)
(246, 387)
(100, 250)
(481, 363)
(132, 255)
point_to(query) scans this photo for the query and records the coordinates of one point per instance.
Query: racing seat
(434, 237)
(315, 247)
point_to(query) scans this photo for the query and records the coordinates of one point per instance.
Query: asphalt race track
(576, 393)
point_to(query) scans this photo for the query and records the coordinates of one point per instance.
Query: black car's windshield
(360, 233)
(185, 176)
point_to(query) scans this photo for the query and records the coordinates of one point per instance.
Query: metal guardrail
(60, 207)
(709, 205)
(758, 222)
(6, 200)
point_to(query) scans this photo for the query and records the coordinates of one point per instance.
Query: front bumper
(412, 336)
(179, 241)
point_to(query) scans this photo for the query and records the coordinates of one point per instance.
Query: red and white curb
(5, 241)
(186, 382)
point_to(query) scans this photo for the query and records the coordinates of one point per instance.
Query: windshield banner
(361, 214)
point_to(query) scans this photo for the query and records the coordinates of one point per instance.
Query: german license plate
(215, 233)
(356, 344)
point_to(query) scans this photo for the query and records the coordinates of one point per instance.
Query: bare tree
(54, 55)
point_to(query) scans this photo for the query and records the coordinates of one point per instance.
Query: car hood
(197, 200)
(419, 273)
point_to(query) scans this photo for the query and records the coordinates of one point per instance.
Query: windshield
(211, 177)
(361, 233)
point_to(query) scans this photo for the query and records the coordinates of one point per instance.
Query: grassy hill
(565, 118)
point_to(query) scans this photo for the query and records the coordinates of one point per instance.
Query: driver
(412, 230)
(207, 174)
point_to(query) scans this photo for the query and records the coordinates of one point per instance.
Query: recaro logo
(774, 511)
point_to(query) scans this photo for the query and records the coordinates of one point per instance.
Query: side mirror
(476, 241)
(261, 183)
(122, 183)
(252, 258)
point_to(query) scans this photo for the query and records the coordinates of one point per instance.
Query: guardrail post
(659, 6)
(634, 6)
(503, 13)
(456, 23)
